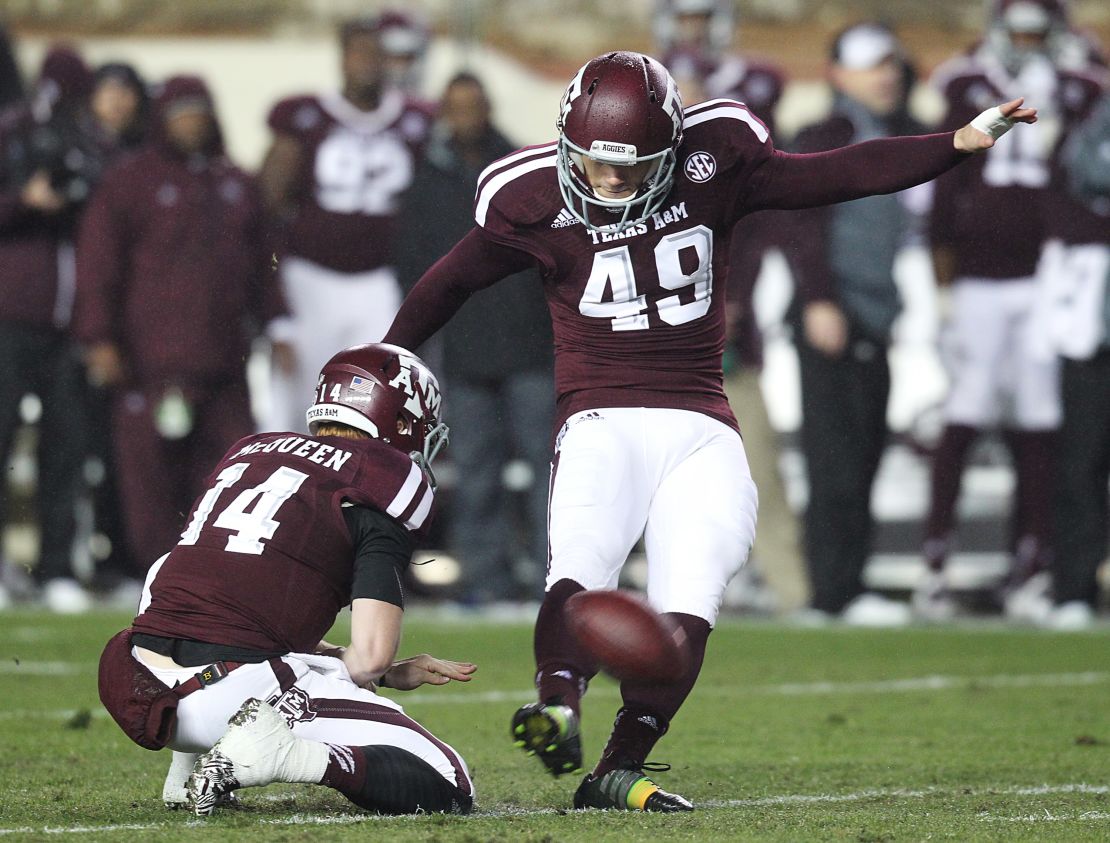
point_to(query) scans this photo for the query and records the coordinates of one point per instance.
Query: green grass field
(971, 733)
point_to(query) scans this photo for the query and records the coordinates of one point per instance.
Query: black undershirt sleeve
(383, 549)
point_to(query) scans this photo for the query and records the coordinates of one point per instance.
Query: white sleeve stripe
(512, 158)
(710, 104)
(734, 111)
(489, 190)
(408, 492)
(416, 520)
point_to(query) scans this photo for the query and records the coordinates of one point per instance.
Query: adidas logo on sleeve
(564, 219)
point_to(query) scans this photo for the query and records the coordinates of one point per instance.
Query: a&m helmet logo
(422, 395)
(700, 167)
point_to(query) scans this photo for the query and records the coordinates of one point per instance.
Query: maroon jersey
(992, 214)
(638, 317)
(266, 561)
(756, 84)
(354, 166)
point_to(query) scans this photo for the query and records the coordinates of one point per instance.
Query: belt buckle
(211, 674)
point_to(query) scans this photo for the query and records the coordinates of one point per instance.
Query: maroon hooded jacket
(35, 278)
(172, 261)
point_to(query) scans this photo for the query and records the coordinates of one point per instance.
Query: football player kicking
(230, 627)
(627, 215)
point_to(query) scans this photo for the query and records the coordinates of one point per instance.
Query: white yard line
(785, 799)
(1047, 817)
(466, 697)
(36, 668)
(937, 683)
(898, 793)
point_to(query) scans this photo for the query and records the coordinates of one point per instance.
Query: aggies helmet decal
(386, 392)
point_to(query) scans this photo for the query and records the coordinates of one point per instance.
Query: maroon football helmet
(621, 108)
(386, 392)
(405, 38)
(1012, 19)
(1029, 15)
(704, 26)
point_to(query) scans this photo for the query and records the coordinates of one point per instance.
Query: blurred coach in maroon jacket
(173, 282)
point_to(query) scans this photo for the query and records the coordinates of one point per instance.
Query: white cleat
(1030, 602)
(175, 792)
(1073, 616)
(64, 596)
(258, 748)
(175, 795)
(931, 600)
(873, 610)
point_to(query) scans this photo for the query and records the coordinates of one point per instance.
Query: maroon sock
(648, 708)
(562, 668)
(346, 770)
(948, 468)
(1035, 467)
(391, 780)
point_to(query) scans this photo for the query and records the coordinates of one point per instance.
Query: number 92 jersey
(638, 316)
(353, 167)
(266, 561)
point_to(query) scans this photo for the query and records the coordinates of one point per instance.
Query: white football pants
(988, 348)
(330, 311)
(678, 478)
(317, 698)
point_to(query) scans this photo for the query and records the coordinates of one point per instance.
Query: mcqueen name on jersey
(299, 446)
(660, 219)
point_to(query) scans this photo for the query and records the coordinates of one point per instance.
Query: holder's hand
(407, 674)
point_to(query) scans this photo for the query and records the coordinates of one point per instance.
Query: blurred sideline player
(847, 302)
(695, 39)
(1076, 270)
(627, 216)
(503, 374)
(292, 529)
(405, 39)
(332, 176)
(987, 228)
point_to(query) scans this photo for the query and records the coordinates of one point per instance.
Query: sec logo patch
(700, 166)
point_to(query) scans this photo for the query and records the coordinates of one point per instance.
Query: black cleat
(549, 732)
(629, 790)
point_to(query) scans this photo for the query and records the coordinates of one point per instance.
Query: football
(627, 638)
